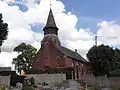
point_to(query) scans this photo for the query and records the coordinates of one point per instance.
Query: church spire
(50, 20)
(50, 27)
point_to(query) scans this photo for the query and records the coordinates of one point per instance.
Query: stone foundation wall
(5, 80)
(48, 78)
(103, 81)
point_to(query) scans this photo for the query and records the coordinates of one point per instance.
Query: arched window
(58, 60)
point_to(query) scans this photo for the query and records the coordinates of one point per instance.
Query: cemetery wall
(48, 78)
(5, 80)
(103, 81)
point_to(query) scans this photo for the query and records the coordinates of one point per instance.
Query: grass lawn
(28, 88)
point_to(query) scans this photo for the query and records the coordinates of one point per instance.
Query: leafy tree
(117, 58)
(116, 71)
(102, 59)
(3, 30)
(25, 57)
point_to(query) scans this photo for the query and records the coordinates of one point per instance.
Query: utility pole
(96, 40)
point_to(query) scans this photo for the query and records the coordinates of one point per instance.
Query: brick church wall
(68, 62)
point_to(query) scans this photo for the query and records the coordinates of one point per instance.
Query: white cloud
(8, 0)
(6, 58)
(109, 32)
(20, 31)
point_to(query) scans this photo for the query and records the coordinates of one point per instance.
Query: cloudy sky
(78, 22)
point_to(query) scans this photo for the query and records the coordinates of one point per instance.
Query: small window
(58, 58)
(46, 43)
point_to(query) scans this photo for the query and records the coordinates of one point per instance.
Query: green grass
(2, 87)
(91, 88)
(115, 88)
(65, 84)
(28, 88)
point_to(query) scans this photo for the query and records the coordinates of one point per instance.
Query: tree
(102, 59)
(3, 30)
(116, 71)
(117, 55)
(25, 57)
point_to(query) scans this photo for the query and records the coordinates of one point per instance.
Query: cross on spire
(50, 4)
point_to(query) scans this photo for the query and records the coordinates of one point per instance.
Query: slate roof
(50, 20)
(72, 54)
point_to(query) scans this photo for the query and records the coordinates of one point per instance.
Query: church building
(53, 55)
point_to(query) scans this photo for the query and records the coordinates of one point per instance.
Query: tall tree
(3, 30)
(102, 59)
(25, 57)
(117, 58)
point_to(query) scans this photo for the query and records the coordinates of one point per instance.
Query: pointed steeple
(50, 27)
(50, 20)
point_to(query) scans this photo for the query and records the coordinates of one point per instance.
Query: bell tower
(50, 31)
(50, 27)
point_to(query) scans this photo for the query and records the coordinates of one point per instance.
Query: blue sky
(89, 12)
(94, 8)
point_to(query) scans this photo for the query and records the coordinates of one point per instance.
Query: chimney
(76, 50)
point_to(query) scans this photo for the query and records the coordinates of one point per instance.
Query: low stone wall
(48, 78)
(103, 81)
(5, 80)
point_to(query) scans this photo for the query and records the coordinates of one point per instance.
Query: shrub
(2, 87)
